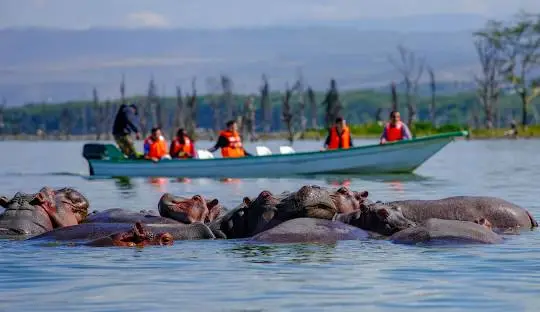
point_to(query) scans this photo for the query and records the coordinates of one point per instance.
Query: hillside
(61, 65)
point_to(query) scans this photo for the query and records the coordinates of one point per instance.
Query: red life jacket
(394, 133)
(235, 148)
(335, 138)
(185, 150)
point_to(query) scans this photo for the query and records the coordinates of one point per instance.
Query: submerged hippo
(119, 215)
(90, 231)
(310, 230)
(188, 210)
(310, 201)
(32, 214)
(501, 213)
(377, 217)
(447, 231)
(137, 236)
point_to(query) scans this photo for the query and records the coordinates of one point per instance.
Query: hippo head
(348, 201)
(251, 217)
(485, 222)
(384, 219)
(214, 210)
(71, 200)
(310, 201)
(44, 199)
(138, 236)
(182, 209)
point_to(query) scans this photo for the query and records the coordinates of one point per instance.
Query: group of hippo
(310, 214)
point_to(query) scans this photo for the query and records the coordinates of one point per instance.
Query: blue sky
(232, 13)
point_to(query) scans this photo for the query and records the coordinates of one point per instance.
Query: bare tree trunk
(123, 90)
(227, 85)
(411, 68)
(288, 115)
(2, 125)
(99, 115)
(266, 106)
(313, 107)
(301, 104)
(333, 105)
(432, 107)
(179, 120)
(487, 83)
(66, 122)
(249, 119)
(395, 104)
(151, 102)
(192, 108)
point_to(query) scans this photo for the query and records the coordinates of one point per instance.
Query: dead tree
(248, 120)
(488, 90)
(333, 105)
(411, 68)
(151, 102)
(287, 114)
(179, 120)
(66, 122)
(312, 107)
(432, 107)
(228, 100)
(212, 86)
(301, 110)
(395, 104)
(191, 122)
(99, 115)
(123, 90)
(266, 106)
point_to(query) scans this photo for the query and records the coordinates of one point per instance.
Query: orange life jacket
(180, 150)
(335, 138)
(155, 149)
(234, 149)
(394, 133)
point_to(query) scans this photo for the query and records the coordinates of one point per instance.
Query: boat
(106, 160)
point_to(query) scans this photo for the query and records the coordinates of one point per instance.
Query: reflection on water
(283, 253)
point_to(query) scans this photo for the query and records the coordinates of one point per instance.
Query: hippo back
(118, 215)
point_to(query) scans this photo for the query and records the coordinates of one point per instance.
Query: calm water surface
(232, 276)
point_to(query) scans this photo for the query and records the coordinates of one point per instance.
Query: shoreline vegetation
(366, 131)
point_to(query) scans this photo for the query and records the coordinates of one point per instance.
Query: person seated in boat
(230, 142)
(182, 146)
(395, 129)
(339, 136)
(155, 146)
(125, 124)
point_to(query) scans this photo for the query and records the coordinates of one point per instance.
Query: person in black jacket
(126, 123)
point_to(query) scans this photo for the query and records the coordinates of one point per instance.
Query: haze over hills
(39, 64)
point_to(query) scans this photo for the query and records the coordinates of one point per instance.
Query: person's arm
(221, 142)
(405, 132)
(131, 121)
(382, 139)
(350, 140)
(327, 141)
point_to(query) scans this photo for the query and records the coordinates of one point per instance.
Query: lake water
(233, 276)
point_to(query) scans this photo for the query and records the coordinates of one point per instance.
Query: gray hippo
(188, 210)
(119, 215)
(32, 214)
(376, 217)
(447, 231)
(502, 214)
(90, 231)
(310, 230)
(138, 236)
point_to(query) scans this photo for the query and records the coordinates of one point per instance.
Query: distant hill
(41, 64)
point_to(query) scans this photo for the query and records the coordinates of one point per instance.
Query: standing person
(125, 123)
(395, 129)
(339, 136)
(230, 142)
(155, 146)
(182, 146)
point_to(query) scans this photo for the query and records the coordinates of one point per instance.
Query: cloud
(147, 19)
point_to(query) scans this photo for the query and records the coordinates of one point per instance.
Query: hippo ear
(364, 194)
(342, 190)
(363, 207)
(3, 201)
(38, 199)
(213, 203)
(383, 213)
(247, 201)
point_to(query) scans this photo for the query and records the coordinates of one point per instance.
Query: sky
(82, 14)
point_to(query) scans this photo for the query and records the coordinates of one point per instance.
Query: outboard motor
(94, 151)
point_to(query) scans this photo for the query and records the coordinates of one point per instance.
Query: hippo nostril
(197, 197)
(265, 194)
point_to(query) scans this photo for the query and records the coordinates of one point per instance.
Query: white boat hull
(401, 157)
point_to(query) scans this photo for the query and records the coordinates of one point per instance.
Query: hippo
(187, 210)
(310, 230)
(32, 214)
(447, 231)
(310, 201)
(376, 217)
(119, 215)
(348, 201)
(502, 214)
(90, 231)
(137, 236)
